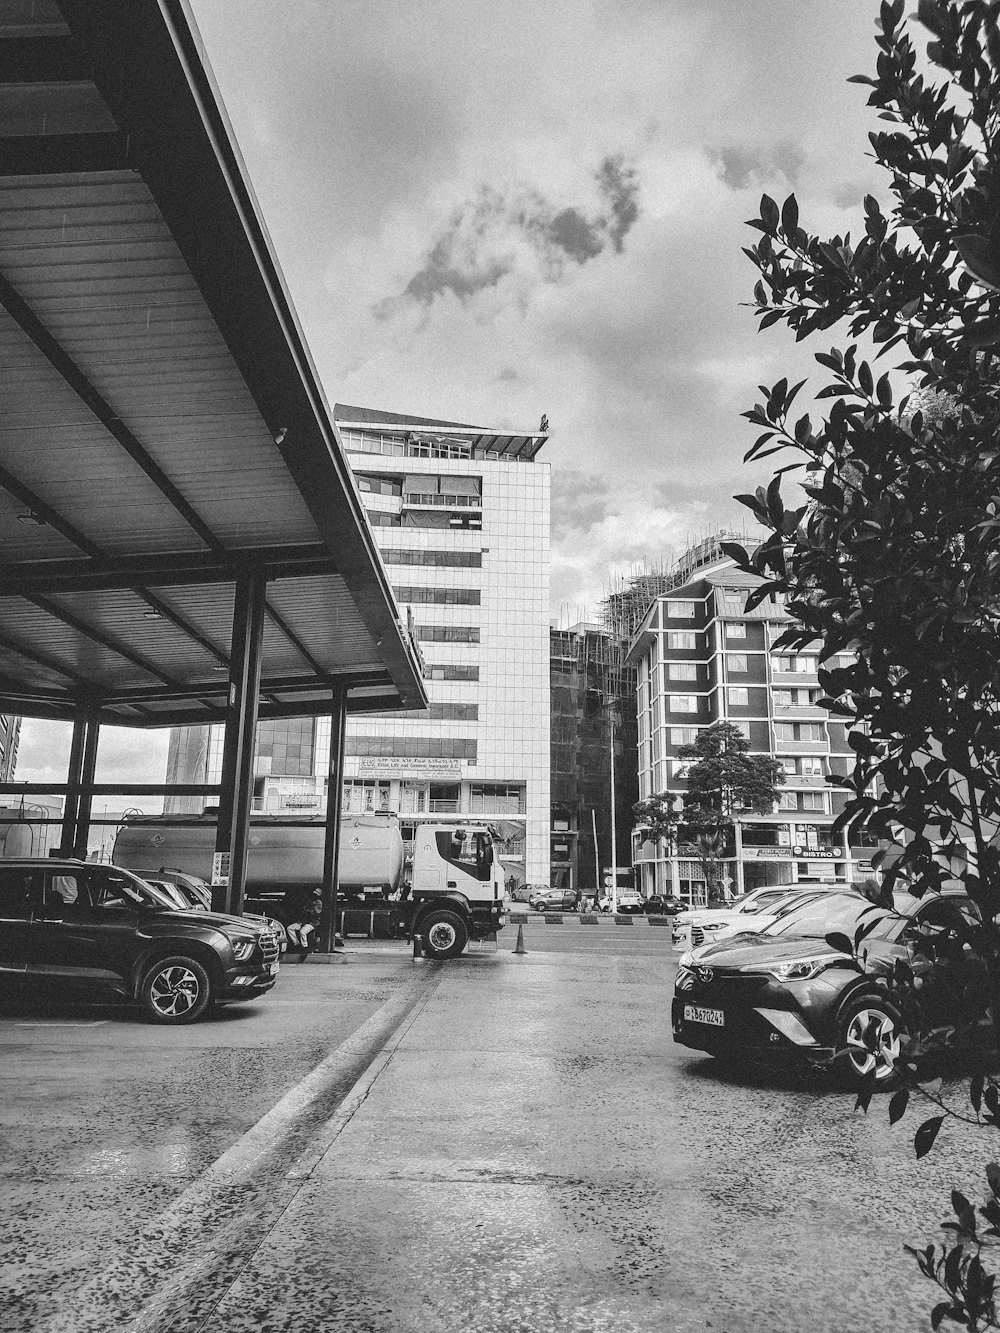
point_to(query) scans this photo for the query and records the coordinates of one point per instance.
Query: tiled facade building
(461, 515)
(702, 658)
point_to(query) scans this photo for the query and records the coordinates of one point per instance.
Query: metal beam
(294, 640)
(334, 807)
(105, 573)
(42, 659)
(60, 360)
(236, 794)
(96, 636)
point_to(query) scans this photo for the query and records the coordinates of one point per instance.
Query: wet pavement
(499, 1143)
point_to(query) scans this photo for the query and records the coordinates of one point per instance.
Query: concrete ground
(499, 1143)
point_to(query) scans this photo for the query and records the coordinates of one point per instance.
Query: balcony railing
(434, 500)
(803, 712)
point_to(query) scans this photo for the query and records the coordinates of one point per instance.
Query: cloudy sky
(487, 211)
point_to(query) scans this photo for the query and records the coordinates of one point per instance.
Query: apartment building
(702, 658)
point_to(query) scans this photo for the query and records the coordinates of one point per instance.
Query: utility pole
(614, 831)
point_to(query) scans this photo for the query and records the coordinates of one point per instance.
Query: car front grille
(269, 947)
(697, 936)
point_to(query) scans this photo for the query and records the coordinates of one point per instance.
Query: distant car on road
(67, 922)
(630, 904)
(662, 904)
(554, 900)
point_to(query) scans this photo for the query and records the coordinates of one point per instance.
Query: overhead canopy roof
(162, 427)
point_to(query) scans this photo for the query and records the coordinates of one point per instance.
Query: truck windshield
(471, 852)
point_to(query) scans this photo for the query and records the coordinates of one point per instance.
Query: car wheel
(176, 990)
(871, 1035)
(445, 935)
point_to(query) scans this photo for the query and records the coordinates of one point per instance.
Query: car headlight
(242, 949)
(795, 969)
(714, 925)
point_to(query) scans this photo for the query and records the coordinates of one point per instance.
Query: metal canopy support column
(334, 807)
(85, 804)
(73, 775)
(236, 794)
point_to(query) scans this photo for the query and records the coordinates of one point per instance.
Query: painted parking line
(65, 1023)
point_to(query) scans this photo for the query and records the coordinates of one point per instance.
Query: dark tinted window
(20, 890)
(112, 891)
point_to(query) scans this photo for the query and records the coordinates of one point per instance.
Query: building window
(787, 801)
(736, 664)
(739, 697)
(736, 630)
(376, 485)
(439, 596)
(783, 698)
(813, 800)
(380, 520)
(682, 640)
(682, 703)
(436, 559)
(681, 610)
(683, 735)
(679, 769)
(448, 633)
(743, 727)
(452, 672)
(682, 671)
(811, 766)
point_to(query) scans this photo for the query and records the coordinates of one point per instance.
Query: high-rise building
(702, 658)
(461, 515)
(593, 709)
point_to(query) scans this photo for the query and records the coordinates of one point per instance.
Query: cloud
(494, 235)
(743, 168)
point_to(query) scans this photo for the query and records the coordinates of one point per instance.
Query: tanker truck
(452, 892)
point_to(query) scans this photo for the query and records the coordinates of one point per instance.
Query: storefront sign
(766, 853)
(392, 767)
(816, 853)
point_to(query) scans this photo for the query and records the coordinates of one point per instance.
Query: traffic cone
(418, 948)
(519, 946)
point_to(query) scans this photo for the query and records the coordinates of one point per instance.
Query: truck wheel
(445, 934)
(175, 990)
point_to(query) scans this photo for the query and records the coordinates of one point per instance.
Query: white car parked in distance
(752, 912)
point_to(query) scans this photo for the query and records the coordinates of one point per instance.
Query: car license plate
(273, 969)
(694, 1013)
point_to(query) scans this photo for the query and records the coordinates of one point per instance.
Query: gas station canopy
(164, 439)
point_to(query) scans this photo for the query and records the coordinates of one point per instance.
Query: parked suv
(65, 920)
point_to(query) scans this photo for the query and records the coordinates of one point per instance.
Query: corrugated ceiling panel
(125, 618)
(323, 615)
(28, 624)
(98, 264)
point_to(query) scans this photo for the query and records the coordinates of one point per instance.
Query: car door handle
(453, 884)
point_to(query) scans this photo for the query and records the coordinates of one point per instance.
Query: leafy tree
(892, 556)
(724, 783)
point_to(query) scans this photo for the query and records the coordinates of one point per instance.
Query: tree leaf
(897, 1105)
(924, 1138)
